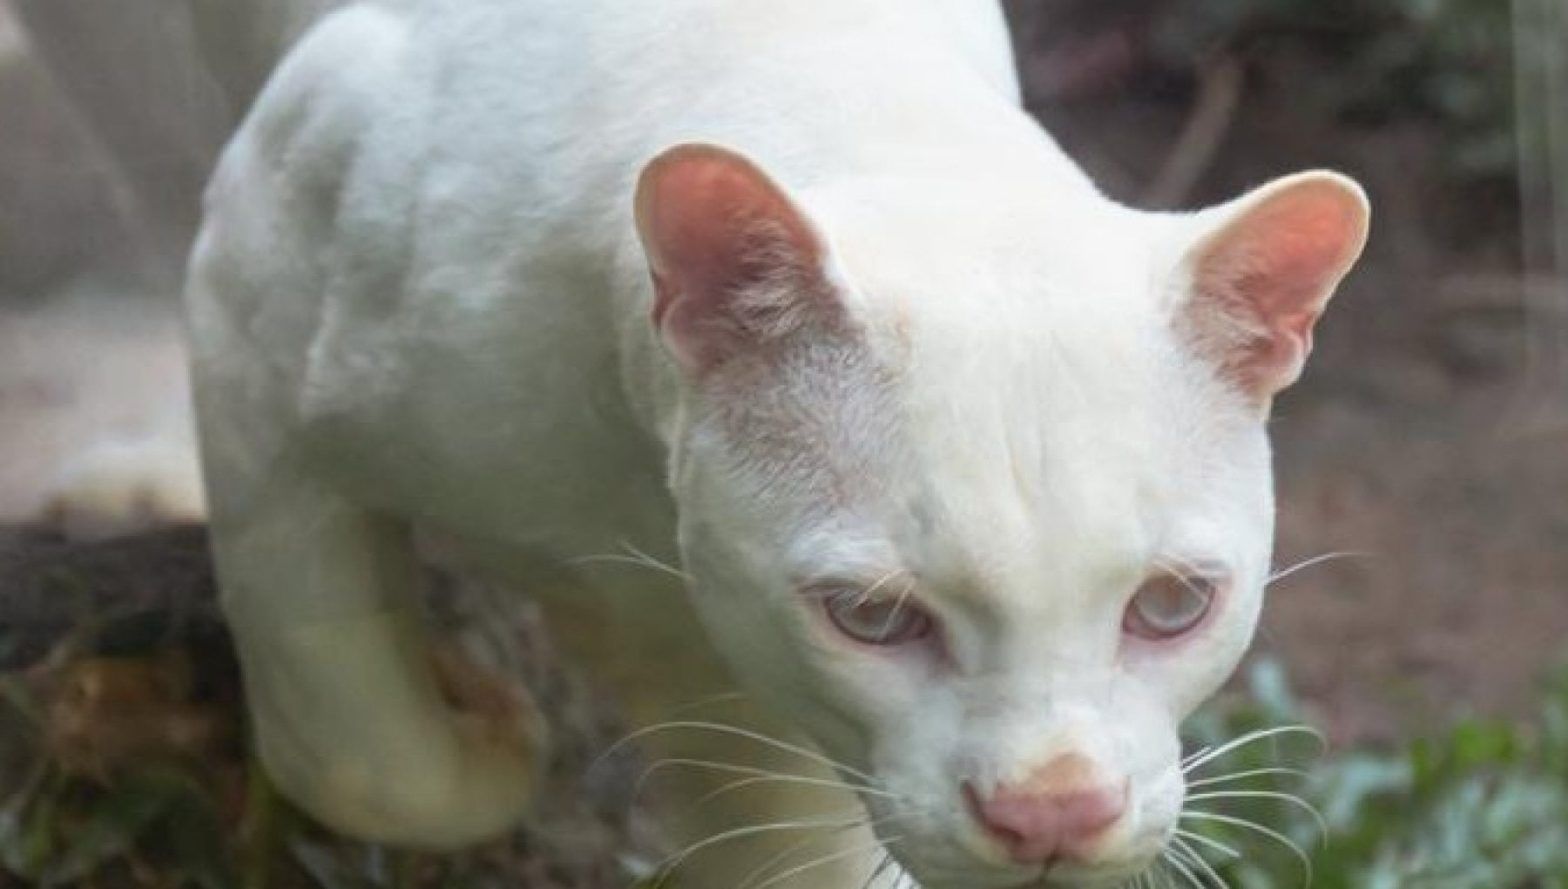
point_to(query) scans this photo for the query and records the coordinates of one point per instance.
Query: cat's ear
(736, 264)
(1261, 271)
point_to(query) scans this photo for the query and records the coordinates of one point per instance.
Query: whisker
(1182, 869)
(1159, 870)
(1200, 752)
(802, 780)
(618, 559)
(720, 728)
(1306, 862)
(1319, 559)
(868, 592)
(1183, 571)
(1267, 794)
(761, 869)
(1250, 773)
(826, 859)
(898, 606)
(1175, 564)
(633, 556)
(672, 862)
(652, 562)
(751, 771)
(878, 871)
(1208, 841)
(1179, 857)
(1202, 863)
(1198, 760)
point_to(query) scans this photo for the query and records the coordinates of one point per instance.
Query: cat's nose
(1057, 812)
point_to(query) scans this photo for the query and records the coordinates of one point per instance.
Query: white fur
(419, 300)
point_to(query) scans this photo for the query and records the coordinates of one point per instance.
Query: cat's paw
(118, 487)
(490, 707)
(438, 754)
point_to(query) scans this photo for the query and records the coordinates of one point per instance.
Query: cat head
(974, 483)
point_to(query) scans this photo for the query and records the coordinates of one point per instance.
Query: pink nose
(1038, 822)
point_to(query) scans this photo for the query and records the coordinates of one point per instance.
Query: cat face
(986, 507)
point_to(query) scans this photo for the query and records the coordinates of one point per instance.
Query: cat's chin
(1086, 881)
(1067, 876)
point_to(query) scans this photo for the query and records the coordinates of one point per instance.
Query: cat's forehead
(1027, 415)
(1055, 454)
(1014, 507)
(998, 246)
(1032, 466)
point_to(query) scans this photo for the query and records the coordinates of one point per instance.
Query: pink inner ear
(715, 230)
(1300, 249)
(1262, 281)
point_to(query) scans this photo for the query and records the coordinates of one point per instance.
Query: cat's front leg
(738, 797)
(355, 716)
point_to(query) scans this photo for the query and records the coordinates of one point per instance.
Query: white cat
(963, 464)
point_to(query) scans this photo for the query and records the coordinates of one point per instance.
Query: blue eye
(876, 621)
(1169, 605)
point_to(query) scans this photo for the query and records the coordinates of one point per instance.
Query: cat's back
(425, 183)
(418, 256)
(407, 147)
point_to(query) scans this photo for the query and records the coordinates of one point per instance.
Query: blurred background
(1423, 461)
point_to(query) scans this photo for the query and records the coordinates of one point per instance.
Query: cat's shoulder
(319, 102)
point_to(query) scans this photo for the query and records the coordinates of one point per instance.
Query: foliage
(62, 828)
(1483, 805)
(1450, 60)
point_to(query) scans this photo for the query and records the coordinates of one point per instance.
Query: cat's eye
(876, 620)
(1168, 605)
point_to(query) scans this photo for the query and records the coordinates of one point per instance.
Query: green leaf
(116, 822)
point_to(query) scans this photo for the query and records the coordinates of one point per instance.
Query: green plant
(58, 829)
(1445, 60)
(1483, 805)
